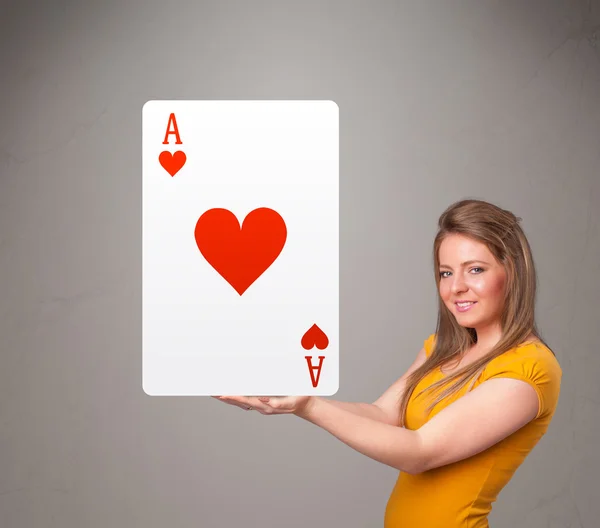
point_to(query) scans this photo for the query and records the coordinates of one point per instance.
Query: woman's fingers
(247, 403)
(262, 404)
(231, 401)
(238, 401)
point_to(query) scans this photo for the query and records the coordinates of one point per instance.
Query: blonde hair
(501, 232)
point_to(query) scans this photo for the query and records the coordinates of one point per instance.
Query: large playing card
(240, 248)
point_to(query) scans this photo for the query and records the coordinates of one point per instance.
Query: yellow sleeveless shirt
(460, 495)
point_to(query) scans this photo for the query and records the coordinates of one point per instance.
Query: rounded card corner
(336, 389)
(335, 105)
(147, 390)
(149, 102)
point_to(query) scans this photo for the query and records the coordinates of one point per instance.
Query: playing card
(240, 248)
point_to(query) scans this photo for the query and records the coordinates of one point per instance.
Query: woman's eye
(481, 269)
(442, 273)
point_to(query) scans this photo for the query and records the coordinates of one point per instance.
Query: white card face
(240, 248)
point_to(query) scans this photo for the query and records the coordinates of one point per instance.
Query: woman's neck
(488, 336)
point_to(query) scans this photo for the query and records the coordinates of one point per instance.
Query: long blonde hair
(501, 232)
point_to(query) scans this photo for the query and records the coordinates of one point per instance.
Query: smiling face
(471, 282)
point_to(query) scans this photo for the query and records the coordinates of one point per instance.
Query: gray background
(438, 101)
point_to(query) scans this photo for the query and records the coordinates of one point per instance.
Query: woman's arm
(473, 423)
(386, 408)
(393, 446)
(368, 410)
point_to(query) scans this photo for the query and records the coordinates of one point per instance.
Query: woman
(478, 397)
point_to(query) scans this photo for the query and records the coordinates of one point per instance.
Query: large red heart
(172, 163)
(240, 255)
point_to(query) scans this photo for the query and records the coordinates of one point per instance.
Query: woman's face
(471, 281)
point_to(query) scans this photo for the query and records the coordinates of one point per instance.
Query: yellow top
(460, 495)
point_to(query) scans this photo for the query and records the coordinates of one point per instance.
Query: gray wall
(438, 101)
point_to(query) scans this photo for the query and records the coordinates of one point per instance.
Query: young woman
(478, 397)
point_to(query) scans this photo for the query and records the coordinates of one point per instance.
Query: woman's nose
(458, 284)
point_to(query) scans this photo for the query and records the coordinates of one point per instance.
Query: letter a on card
(240, 267)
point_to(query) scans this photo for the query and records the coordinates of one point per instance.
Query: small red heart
(314, 336)
(172, 163)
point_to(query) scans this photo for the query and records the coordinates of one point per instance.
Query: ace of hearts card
(240, 265)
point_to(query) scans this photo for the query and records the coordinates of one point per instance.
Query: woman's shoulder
(534, 363)
(532, 353)
(532, 358)
(533, 350)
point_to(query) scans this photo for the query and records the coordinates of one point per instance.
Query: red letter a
(311, 369)
(174, 131)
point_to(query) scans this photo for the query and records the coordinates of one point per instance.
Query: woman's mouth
(464, 306)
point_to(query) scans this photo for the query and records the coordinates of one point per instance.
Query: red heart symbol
(172, 163)
(314, 336)
(240, 255)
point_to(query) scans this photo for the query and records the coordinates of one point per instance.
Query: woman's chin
(467, 322)
(466, 319)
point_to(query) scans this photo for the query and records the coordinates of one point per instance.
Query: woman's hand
(298, 405)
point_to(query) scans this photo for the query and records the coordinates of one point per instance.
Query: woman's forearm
(368, 410)
(396, 447)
